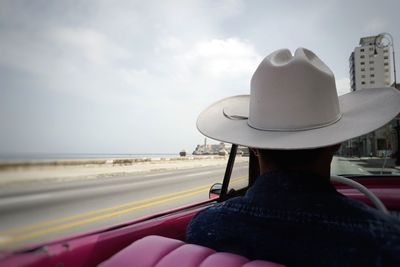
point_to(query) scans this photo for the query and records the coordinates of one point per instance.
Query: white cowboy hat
(293, 104)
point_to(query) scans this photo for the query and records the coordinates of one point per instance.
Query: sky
(132, 76)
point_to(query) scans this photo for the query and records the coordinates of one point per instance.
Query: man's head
(306, 160)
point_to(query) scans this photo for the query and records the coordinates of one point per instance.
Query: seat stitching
(215, 253)
(158, 261)
(206, 258)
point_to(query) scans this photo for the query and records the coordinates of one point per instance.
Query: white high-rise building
(371, 63)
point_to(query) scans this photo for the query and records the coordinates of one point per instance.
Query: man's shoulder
(212, 218)
(202, 225)
(210, 214)
(359, 211)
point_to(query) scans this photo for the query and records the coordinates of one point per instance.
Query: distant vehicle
(182, 153)
(95, 247)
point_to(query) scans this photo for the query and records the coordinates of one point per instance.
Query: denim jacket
(299, 220)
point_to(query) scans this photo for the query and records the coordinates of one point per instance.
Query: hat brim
(363, 111)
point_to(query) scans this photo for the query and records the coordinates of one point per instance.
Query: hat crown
(290, 93)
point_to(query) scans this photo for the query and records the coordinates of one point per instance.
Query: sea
(70, 156)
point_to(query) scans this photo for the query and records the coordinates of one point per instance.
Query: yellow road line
(92, 219)
(39, 232)
(67, 218)
(24, 228)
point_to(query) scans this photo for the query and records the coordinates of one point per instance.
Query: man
(294, 122)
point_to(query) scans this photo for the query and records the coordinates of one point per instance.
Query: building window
(362, 69)
(386, 57)
(371, 62)
(362, 63)
(362, 82)
(363, 76)
(372, 82)
(372, 75)
(371, 49)
(362, 56)
(372, 69)
(385, 50)
(386, 64)
(362, 49)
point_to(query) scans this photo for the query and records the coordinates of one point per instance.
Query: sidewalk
(50, 171)
(375, 162)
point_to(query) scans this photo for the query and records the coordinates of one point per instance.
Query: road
(37, 213)
(364, 166)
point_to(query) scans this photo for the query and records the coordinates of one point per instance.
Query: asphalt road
(36, 213)
(364, 166)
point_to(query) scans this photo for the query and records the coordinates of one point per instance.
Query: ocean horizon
(71, 156)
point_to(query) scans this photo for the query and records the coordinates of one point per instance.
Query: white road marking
(158, 174)
(199, 173)
(15, 200)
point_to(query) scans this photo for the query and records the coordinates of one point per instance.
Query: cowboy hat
(293, 104)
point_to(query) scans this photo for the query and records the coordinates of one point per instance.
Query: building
(220, 149)
(211, 149)
(372, 65)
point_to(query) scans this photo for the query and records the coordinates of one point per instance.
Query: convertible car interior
(159, 239)
(165, 252)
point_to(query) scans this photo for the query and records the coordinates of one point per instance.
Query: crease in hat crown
(292, 93)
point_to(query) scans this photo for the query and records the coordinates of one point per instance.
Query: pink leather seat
(158, 251)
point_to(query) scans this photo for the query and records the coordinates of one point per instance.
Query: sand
(61, 171)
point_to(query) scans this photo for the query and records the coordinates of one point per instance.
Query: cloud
(223, 58)
(93, 45)
(137, 70)
(24, 51)
(375, 25)
(182, 69)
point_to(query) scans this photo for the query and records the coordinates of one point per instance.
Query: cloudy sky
(132, 76)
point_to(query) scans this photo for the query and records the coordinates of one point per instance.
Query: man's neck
(321, 168)
(318, 171)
